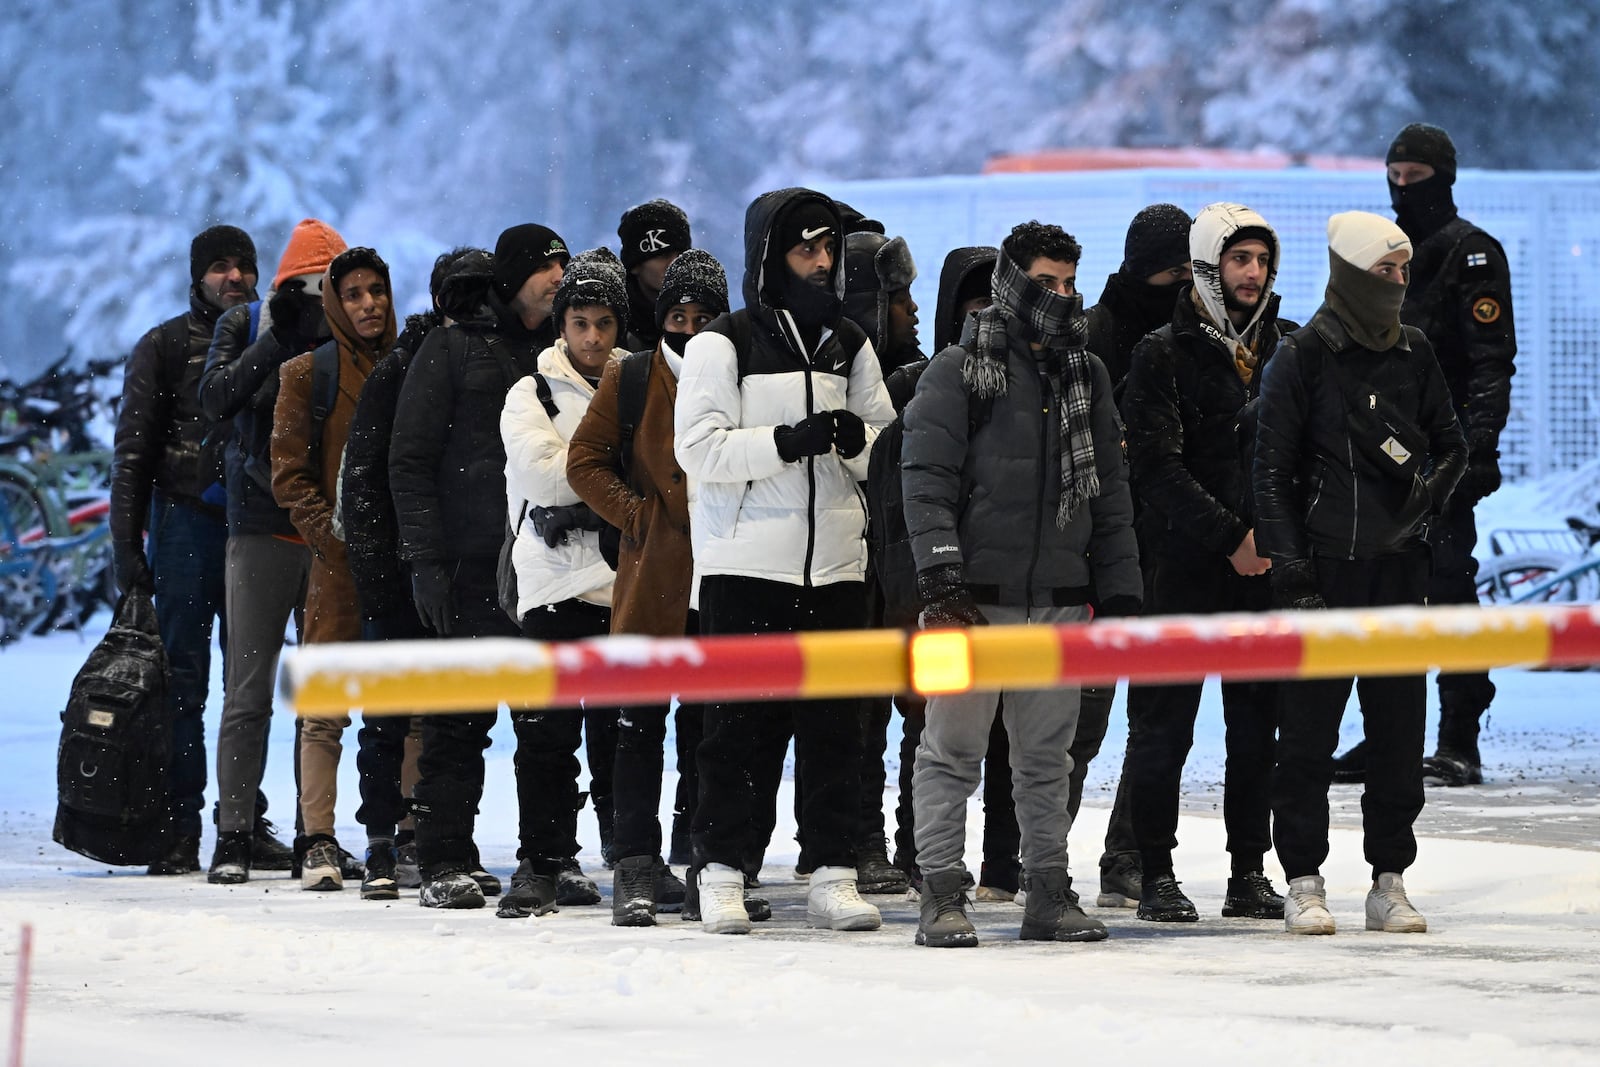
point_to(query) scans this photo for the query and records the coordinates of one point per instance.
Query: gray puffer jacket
(990, 502)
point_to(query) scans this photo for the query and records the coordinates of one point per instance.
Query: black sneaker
(230, 862)
(267, 852)
(1163, 902)
(874, 873)
(1453, 768)
(670, 890)
(1351, 768)
(407, 872)
(379, 883)
(350, 867)
(182, 858)
(633, 891)
(450, 889)
(531, 894)
(573, 887)
(1122, 883)
(1251, 896)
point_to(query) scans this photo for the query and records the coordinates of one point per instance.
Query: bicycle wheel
(22, 515)
(1513, 578)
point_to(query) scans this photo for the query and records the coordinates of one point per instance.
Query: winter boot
(721, 903)
(379, 883)
(874, 872)
(1251, 896)
(1121, 880)
(230, 862)
(1351, 768)
(183, 857)
(407, 874)
(943, 922)
(633, 892)
(1389, 910)
(670, 889)
(450, 889)
(531, 893)
(1161, 901)
(267, 853)
(1305, 910)
(833, 903)
(1052, 912)
(1456, 761)
(573, 887)
(320, 870)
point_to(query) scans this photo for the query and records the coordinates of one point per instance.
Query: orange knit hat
(312, 246)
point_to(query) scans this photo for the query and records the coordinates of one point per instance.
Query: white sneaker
(1305, 909)
(833, 903)
(1389, 910)
(722, 908)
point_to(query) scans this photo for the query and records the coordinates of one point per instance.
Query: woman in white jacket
(563, 583)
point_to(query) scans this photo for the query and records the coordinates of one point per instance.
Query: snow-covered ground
(132, 969)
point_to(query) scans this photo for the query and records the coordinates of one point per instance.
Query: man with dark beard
(1460, 296)
(1183, 401)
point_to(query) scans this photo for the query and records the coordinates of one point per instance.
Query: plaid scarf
(1059, 325)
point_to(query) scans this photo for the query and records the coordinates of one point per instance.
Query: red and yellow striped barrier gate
(408, 677)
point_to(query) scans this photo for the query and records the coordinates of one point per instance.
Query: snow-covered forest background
(413, 126)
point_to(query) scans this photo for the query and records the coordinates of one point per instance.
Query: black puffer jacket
(240, 382)
(446, 458)
(1460, 297)
(1316, 492)
(1128, 309)
(371, 534)
(161, 426)
(1182, 405)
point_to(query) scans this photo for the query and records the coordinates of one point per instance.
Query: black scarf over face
(812, 306)
(1369, 306)
(1422, 208)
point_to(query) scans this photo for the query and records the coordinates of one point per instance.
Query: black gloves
(945, 600)
(129, 567)
(553, 524)
(1119, 607)
(849, 433)
(813, 437)
(298, 322)
(430, 591)
(1481, 477)
(1294, 585)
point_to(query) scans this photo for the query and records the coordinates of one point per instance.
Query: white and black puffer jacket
(536, 476)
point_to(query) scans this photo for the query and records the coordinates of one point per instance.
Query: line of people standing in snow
(568, 446)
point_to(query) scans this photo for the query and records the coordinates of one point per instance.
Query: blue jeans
(187, 552)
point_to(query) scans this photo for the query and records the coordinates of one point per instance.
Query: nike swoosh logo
(1395, 244)
(812, 235)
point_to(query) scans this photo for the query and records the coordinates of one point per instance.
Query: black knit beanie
(592, 278)
(1158, 238)
(220, 242)
(521, 252)
(1422, 143)
(693, 278)
(654, 228)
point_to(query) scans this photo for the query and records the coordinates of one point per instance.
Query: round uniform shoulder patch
(1486, 311)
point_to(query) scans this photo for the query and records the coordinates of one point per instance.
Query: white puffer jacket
(536, 476)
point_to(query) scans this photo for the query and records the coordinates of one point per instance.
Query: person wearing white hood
(1185, 398)
(1358, 449)
(564, 583)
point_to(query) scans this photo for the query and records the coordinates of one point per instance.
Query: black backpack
(888, 542)
(116, 740)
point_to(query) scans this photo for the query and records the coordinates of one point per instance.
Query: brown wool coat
(332, 613)
(655, 564)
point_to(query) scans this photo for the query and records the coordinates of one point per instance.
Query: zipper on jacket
(1355, 493)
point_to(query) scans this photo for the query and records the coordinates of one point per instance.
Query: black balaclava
(1424, 207)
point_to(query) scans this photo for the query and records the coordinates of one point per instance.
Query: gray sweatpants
(266, 579)
(1040, 723)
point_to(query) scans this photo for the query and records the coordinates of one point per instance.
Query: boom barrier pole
(411, 677)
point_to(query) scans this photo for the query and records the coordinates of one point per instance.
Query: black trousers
(1094, 719)
(1161, 726)
(450, 782)
(1463, 698)
(546, 761)
(1393, 711)
(636, 793)
(827, 733)
(381, 741)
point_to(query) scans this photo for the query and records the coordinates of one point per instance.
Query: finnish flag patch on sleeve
(1477, 259)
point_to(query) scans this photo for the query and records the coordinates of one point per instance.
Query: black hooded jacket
(161, 426)
(959, 265)
(446, 458)
(1128, 309)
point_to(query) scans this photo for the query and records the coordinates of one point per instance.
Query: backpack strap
(324, 395)
(633, 379)
(541, 388)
